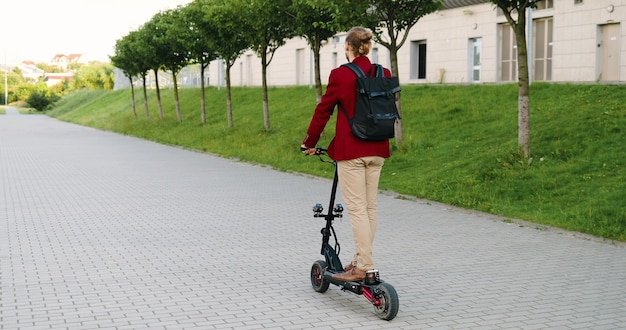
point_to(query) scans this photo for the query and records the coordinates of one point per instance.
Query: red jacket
(342, 90)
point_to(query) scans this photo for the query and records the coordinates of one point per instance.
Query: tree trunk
(176, 99)
(524, 86)
(158, 93)
(399, 132)
(145, 96)
(318, 79)
(229, 105)
(202, 93)
(132, 96)
(266, 110)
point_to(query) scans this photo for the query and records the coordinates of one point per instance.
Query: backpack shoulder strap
(375, 71)
(356, 69)
(379, 70)
(359, 74)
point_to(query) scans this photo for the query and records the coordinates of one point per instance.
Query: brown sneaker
(348, 267)
(354, 274)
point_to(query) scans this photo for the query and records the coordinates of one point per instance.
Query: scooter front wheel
(388, 303)
(318, 281)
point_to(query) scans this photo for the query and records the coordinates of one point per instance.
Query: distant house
(30, 70)
(54, 78)
(62, 60)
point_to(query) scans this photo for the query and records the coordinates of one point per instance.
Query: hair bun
(360, 39)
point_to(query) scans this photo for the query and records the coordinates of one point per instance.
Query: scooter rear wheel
(389, 303)
(317, 277)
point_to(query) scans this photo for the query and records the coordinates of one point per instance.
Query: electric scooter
(380, 294)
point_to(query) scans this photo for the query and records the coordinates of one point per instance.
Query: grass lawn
(460, 144)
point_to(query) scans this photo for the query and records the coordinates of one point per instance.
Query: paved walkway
(100, 230)
(11, 111)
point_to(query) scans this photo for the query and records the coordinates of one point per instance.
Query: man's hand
(308, 151)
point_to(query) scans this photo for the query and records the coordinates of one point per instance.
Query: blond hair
(360, 39)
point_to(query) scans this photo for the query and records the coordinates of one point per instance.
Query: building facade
(63, 61)
(470, 41)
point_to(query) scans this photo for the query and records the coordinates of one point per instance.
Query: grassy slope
(460, 144)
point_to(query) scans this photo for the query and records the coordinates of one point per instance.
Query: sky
(37, 30)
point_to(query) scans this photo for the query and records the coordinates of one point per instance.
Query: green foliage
(175, 33)
(267, 27)
(127, 55)
(40, 100)
(460, 144)
(94, 76)
(22, 91)
(49, 68)
(223, 23)
(318, 21)
(511, 9)
(201, 34)
(392, 20)
(18, 87)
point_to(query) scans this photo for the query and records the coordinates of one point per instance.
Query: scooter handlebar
(318, 150)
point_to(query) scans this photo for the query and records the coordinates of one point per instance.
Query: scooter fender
(332, 259)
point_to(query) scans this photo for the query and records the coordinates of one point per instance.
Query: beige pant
(358, 179)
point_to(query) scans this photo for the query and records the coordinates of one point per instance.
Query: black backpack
(375, 113)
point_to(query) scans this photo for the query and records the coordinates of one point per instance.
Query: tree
(200, 43)
(267, 31)
(153, 50)
(317, 21)
(174, 55)
(40, 96)
(229, 37)
(391, 21)
(143, 65)
(123, 59)
(511, 10)
(49, 68)
(129, 59)
(15, 79)
(94, 76)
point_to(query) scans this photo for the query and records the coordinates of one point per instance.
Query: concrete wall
(446, 33)
(576, 54)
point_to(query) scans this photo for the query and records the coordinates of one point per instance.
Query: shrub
(40, 101)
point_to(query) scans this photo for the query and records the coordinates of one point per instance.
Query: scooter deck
(352, 286)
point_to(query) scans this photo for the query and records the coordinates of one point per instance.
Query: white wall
(575, 51)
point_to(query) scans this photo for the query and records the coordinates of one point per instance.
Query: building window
(418, 59)
(339, 39)
(508, 53)
(578, 2)
(545, 4)
(374, 55)
(475, 49)
(300, 67)
(543, 50)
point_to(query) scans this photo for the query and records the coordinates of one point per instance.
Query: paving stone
(101, 230)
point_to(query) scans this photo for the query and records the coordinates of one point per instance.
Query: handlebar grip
(318, 150)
